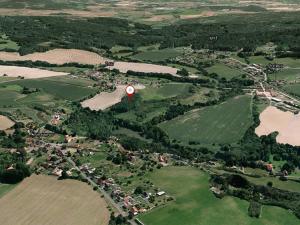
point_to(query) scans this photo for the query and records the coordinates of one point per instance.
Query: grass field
(6, 43)
(224, 123)
(63, 88)
(45, 200)
(157, 55)
(293, 89)
(195, 204)
(224, 71)
(166, 91)
(291, 74)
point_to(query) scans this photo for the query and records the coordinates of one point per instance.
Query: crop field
(45, 200)
(26, 72)
(158, 55)
(5, 123)
(60, 88)
(224, 71)
(287, 75)
(56, 56)
(166, 91)
(223, 123)
(195, 204)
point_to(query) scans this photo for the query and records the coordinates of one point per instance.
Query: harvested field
(285, 123)
(45, 200)
(5, 123)
(57, 56)
(143, 67)
(105, 100)
(27, 73)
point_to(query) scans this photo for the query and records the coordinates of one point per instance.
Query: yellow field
(43, 200)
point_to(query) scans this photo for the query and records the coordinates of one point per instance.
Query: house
(134, 210)
(160, 193)
(269, 167)
(57, 172)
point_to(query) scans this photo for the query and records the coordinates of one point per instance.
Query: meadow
(223, 123)
(157, 55)
(165, 91)
(293, 88)
(195, 204)
(224, 71)
(61, 88)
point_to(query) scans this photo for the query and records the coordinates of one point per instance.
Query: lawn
(166, 91)
(195, 205)
(224, 71)
(6, 43)
(223, 123)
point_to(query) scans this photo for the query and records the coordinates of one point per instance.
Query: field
(56, 56)
(143, 67)
(5, 123)
(45, 200)
(63, 88)
(224, 71)
(224, 123)
(27, 73)
(157, 55)
(285, 123)
(166, 91)
(6, 43)
(195, 204)
(293, 89)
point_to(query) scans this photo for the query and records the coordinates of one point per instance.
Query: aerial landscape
(120, 112)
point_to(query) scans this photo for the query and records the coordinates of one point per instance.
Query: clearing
(5, 123)
(195, 204)
(57, 56)
(286, 124)
(45, 200)
(223, 123)
(27, 73)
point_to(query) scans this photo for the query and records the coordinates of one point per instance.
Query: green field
(291, 74)
(293, 89)
(166, 91)
(224, 71)
(195, 205)
(223, 123)
(6, 43)
(157, 55)
(62, 88)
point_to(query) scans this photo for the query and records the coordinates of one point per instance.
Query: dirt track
(43, 200)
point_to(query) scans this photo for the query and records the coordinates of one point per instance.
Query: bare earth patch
(28, 73)
(105, 100)
(285, 123)
(45, 200)
(57, 56)
(203, 14)
(143, 67)
(5, 123)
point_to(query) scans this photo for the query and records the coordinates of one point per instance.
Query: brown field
(285, 123)
(143, 67)
(105, 100)
(56, 56)
(28, 73)
(5, 123)
(43, 200)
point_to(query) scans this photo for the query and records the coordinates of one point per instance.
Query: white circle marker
(130, 90)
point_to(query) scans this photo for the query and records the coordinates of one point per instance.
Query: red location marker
(130, 91)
